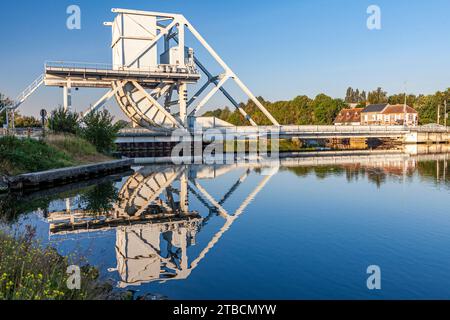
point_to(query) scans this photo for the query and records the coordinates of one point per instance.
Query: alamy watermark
(374, 279)
(74, 19)
(225, 145)
(74, 280)
(374, 19)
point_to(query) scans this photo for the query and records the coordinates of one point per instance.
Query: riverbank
(31, 272)
(55, 160)
(63, 176)
(19, 156)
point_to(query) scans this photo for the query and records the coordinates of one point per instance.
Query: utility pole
(404, 112)
(404, 108)
(445, 113)
(439, 114)
(13, 121)
(7, 119)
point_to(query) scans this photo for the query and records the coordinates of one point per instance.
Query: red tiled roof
(398, 108)
(349, 115)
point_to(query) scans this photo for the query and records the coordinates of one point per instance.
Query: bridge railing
(431, 129)
(293, 130)
(288, 130)
(344, 129)
(106, 68)
(21, 132)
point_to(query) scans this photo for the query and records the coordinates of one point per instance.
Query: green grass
(71, 145)
(78, 149)
(19, 156)
(28, 155)
(31, 272)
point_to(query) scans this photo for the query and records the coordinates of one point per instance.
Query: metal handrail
(307, 129)
(30, 88)
(86, 66)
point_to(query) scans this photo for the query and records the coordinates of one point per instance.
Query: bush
(30, 272)
(27, 122)
(63, 121)
(98, 128)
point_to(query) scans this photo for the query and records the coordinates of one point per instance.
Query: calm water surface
(307, 229)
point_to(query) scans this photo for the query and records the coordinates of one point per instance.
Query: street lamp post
(445, 113)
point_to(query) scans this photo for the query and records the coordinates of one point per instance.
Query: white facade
(131, 35)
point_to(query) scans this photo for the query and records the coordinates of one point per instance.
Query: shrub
(98, 128)
(27, 122)
(63, 121)
(31, 272)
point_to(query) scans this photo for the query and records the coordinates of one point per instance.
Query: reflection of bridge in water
(155, 226)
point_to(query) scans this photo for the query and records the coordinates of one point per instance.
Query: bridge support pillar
(67, 97)
(184, 200)
(182, 94)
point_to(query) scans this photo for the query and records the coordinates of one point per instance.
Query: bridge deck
(101, 76)
(406, 134)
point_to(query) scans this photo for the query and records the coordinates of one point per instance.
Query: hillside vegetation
(19, 156)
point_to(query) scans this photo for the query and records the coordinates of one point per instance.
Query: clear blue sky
(281, 49)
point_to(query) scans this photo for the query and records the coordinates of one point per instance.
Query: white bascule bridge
(152, 89)
(161, 85)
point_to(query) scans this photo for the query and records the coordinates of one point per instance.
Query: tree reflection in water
(150, 210)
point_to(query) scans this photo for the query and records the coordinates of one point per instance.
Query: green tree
(26, 122)
(428, 106)
(377, 96)
(349, 95)
(355, 96)
(99, 129)
(363, 97)
(4, 102)
(63, 121)
(400, 99)
(326, 109)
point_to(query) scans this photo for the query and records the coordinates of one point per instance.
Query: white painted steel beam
(208, 97)
(100, 103)
(225, 93)
(229, 71)
(157, 105)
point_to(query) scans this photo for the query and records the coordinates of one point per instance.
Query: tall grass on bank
(30, 272)
(79, 149)
(19, 156)
(28, 155)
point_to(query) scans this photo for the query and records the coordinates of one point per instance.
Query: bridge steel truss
(175, 30)
(139, 91)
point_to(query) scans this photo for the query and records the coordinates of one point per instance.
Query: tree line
(323, 109)
(302, 110)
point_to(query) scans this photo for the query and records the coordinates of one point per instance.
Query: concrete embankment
(62, 176)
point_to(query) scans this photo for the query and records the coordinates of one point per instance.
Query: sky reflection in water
(250, 231)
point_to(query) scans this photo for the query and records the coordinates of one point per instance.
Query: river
(301, 228)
